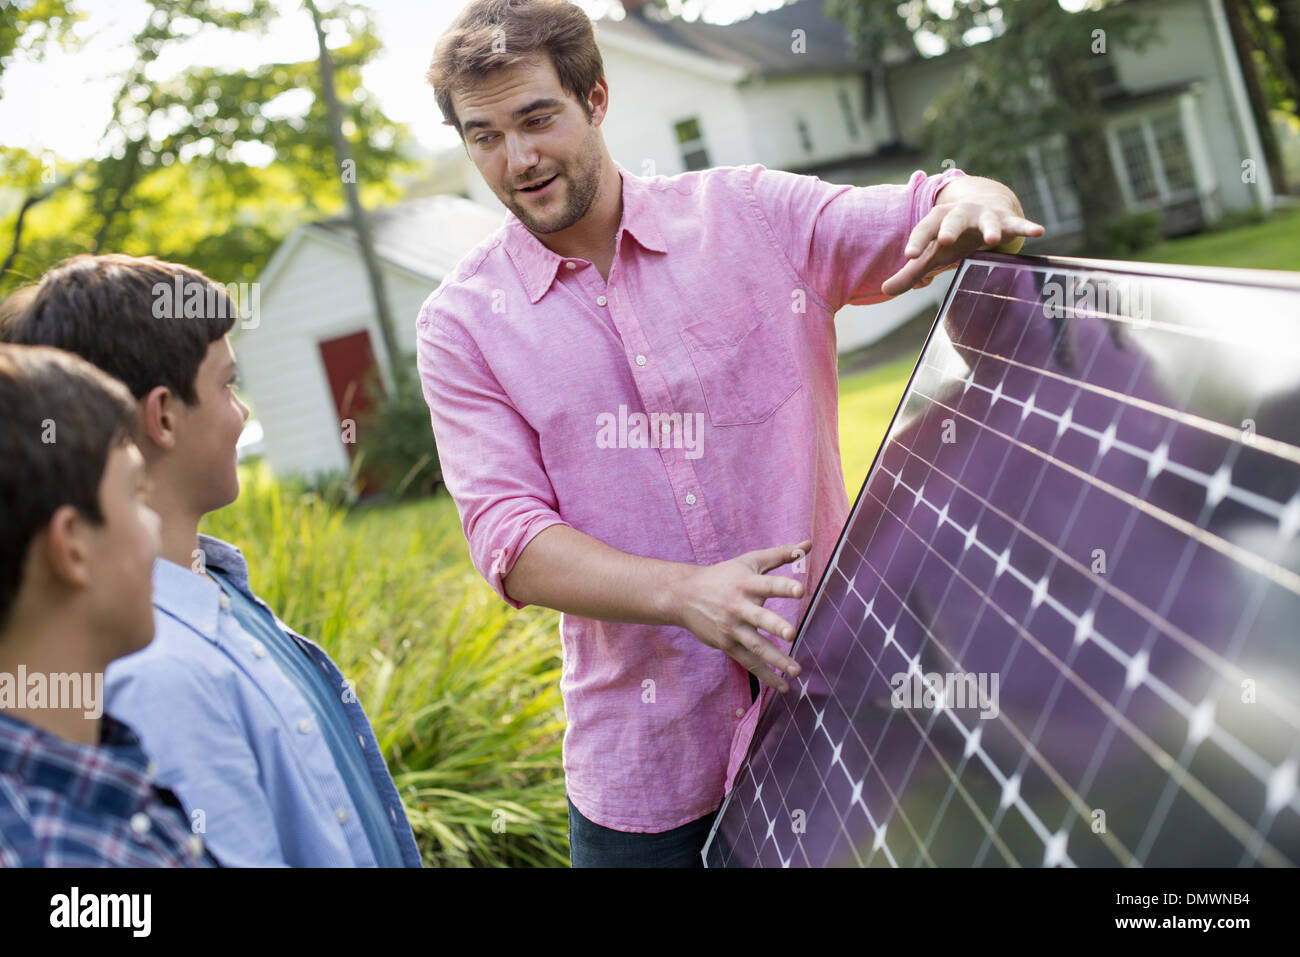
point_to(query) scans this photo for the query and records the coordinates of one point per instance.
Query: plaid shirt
(64, 804)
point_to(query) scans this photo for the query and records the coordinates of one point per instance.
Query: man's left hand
(952, 231)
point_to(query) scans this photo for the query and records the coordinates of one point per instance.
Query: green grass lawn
(462, 690)
(867, 403)
(1272, 244)
(868, 398)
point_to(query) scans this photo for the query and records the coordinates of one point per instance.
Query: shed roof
(427, 235)
(761, 43)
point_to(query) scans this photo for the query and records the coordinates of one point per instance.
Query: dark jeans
(592, 845)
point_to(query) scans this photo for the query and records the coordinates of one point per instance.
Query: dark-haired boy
(77, 546)
(251, 724)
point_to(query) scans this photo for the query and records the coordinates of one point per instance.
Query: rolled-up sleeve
(843, 241)
(490, 456)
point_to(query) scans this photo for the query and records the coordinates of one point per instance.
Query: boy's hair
(62, 417)
(123, 314)
(491, 35)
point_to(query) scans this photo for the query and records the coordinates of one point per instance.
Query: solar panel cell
(1059, 626)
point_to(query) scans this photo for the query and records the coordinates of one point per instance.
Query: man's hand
(965, 222)
(722, 605)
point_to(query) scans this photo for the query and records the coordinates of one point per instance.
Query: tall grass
(463, 691)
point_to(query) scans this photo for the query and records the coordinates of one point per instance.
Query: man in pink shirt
(633, 390)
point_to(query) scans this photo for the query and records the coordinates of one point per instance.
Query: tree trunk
(358, 214)
(1095, 179)
(28, 203)
(1287, 23)
(1262, 38)
(1259, 104)
(129, 169)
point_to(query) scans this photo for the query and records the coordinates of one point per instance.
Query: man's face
(522, 129)
(209, 431)
(123, 551)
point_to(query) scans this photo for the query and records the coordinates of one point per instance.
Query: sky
(63, 102)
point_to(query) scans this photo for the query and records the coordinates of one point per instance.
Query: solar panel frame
(1260, 279)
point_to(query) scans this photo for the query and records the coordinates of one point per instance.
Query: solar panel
(1061, 625)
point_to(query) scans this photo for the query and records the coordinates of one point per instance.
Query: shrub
(395, 440)
(1133, 233)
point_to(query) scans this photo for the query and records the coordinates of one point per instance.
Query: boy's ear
(65, 548)
(157, 417)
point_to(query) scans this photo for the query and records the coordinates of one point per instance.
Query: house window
(691, 143)
(1104, 77)
(805, 138)
(1024, 184)
(850, 122)
(1060, 182)
(1137, 162)
(1042, 182)
(1156, 160)
(1171, 148)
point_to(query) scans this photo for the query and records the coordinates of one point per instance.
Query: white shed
(302, 358)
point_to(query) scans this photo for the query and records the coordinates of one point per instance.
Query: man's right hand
(722, 605)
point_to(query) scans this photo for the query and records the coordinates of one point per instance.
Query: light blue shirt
(233, 736)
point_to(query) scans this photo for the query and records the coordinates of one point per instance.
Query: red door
(349, 365)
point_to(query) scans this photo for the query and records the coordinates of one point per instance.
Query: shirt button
(640, 360)
(570, 265)
(667, 427)
(259, 650)
(601, 300)
(140, 823)
(740, 712)
(151, 770)
(341, 814)
(195, 844)
(690, 498)
(224, 601)
(304, 726)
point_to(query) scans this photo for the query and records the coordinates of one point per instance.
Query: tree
(356, 211)
(1238, 13)
(180, 174)
(1034, 79)
(33, 26)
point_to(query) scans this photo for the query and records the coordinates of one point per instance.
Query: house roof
(425, 236)
(760, 44)
(428, 235)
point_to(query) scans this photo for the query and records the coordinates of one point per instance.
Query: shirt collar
(195, 600)
(537, 265)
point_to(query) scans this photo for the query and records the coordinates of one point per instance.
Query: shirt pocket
(744, 364)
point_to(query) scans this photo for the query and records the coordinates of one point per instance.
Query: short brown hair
(62, 418)
(104, 308)
(493, 35)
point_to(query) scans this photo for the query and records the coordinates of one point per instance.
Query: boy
(251, 724)
(77, 542)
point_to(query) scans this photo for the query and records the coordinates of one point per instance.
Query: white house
(316, 335)
(783, 88)
(780, 88)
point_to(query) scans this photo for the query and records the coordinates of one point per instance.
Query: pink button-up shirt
(686, 409)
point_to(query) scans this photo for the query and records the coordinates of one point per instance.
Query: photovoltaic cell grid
(1077, 551)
